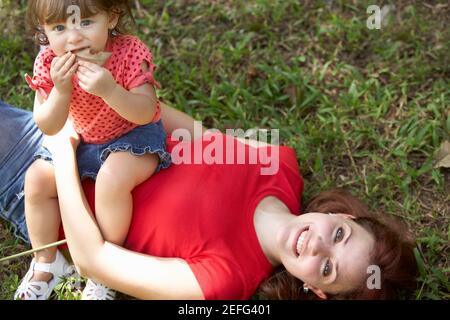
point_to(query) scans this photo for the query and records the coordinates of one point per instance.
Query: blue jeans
(20, 139)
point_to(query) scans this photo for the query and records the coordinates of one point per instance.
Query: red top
(204, 214)
(92, 118)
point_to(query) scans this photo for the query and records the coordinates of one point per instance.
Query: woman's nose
(317, 246)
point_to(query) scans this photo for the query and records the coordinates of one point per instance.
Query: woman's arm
(135, 274)
(175, 119)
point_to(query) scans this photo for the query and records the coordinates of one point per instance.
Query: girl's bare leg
(118, 176)
(42, 212)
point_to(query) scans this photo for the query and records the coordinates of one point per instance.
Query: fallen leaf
(442, 156)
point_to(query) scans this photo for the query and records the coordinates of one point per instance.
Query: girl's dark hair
(393, 253)
(40, 12)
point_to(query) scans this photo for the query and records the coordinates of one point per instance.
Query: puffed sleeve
(41, 81)
(137, 54)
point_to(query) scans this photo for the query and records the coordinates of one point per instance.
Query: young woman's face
(329, 252)
(91, 33)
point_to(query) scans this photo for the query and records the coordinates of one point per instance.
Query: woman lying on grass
(211, 231)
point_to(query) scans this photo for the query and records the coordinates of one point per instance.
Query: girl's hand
(95, 79)
(61, 71)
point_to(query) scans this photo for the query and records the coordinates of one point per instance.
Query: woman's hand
(95, 79)
(63, 143)
(62, 70)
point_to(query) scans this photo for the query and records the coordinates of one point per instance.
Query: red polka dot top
(93, 119)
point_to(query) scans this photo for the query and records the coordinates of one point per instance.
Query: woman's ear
(346, 216)
(318, 292)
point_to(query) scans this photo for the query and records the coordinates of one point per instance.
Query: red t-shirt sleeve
(286, 184)
(219, 278)
(42, 81)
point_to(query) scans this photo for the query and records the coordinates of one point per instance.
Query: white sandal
(41, 290)
(97, 291)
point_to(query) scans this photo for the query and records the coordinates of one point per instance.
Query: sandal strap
(57, 267)
(43, 267)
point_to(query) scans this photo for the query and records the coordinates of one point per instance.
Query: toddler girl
(112, 104)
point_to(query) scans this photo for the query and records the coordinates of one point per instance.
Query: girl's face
(91, 33)
(329, 253)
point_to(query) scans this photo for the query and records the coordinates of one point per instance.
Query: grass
(364, 109)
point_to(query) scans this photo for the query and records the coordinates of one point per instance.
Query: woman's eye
(58, 28)
(85, 23)
(326, 269)
(339, 235)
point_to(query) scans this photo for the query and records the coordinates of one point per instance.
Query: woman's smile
(299, 238)
(302, 242)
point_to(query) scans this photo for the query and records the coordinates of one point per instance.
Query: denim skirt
(150, 138)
